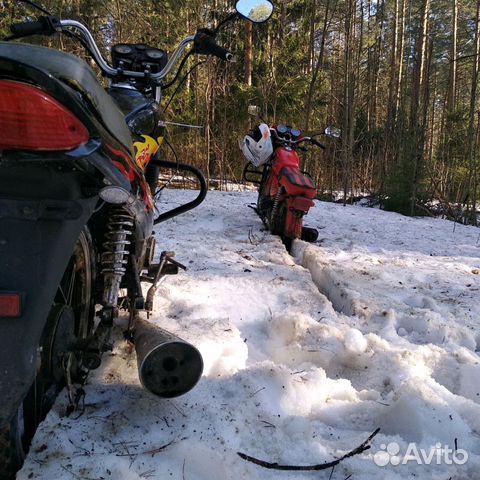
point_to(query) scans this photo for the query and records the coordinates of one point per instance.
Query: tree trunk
(311, 44)
(472, 148)
(318, 66)
(248, 53)
(348, 95)
(417, 126)
(452, 77)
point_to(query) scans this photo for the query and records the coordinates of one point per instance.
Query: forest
(399, 77)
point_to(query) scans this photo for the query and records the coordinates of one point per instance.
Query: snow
(374, 325)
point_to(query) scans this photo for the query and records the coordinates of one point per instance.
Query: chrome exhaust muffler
(167, 365)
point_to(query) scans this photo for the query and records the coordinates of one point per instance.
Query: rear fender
(36, 243)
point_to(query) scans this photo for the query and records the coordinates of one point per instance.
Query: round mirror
(333, 132)
(256, 11)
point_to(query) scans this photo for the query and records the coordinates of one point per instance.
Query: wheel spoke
(71, 285)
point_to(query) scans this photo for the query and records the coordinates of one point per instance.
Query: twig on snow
(258, 391)
(85, 450)
(74, 475)
(268, 424)
(147, 452)
(179, 411)
(132, 456)
(157, 450)
(322, 466)
(148, 474)
(331, 473)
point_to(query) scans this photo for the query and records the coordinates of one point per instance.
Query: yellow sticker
(145, 150)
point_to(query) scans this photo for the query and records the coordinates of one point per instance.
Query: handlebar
(48, 25)
(109, 70)
(298, 141)
(204, 43)
(315, 142)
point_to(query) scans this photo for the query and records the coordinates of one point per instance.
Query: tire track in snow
(424, 352)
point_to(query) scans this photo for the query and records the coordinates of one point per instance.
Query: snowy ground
(375, 325)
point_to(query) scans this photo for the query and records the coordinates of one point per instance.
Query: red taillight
(10, 305)
(30, 119)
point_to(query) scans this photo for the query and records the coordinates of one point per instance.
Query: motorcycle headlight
(144, 122)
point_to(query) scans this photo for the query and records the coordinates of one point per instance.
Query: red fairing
(296, 183)
(286, 167)
(285, 158)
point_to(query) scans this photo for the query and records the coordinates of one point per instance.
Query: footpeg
(159, 270)
(167, 269)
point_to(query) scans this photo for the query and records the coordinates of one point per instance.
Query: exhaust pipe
(167, 365)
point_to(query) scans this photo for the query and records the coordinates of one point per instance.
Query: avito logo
(438, 455)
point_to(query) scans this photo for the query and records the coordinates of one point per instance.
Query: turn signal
(30, 119)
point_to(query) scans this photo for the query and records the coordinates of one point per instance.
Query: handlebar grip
(317, 143)
(205, 44)
(217, 50)
(42, 26)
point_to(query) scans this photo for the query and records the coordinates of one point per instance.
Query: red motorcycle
(285, 193)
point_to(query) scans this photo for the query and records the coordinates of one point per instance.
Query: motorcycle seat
(72, 72)
(297, 183)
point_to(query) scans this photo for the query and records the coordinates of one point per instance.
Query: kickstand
(75, 395)
(165, 258)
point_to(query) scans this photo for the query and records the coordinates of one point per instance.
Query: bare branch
(323, 466)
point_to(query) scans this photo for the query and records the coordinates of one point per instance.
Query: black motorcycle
(79, 167)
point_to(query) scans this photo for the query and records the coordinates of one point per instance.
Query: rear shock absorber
(276, 202)
(115, 253)
(276, 224)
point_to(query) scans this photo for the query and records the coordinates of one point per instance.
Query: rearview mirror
(254, 111)
(257, 11)
(333, 132)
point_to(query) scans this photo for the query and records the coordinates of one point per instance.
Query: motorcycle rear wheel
(277, 220)
(70, 320)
